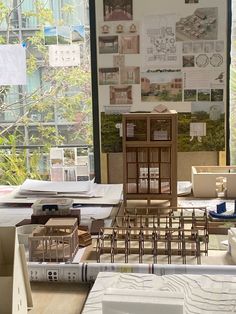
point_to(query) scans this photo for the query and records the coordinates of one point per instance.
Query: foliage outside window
(233, 88)
(54, 108)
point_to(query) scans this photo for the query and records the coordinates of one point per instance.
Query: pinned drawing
(197, 47)
(118, 10)
(77, 33)
(202, 60)
(204, 95)
(64, 35)
(187, 47)
(105, 29)
(50, 35)
(158, 41)
(129, 44)
(130, 75)
(201, 25)
(12, 65)
(216, 60)
(188, 61)
(190, 95)
(109, 76)
(64, 55)
(217, 94)
(108, 44)
(118, 60)
(161, 86)
(121, 94)
(198, 130)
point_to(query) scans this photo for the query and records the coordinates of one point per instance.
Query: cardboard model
(14, 282)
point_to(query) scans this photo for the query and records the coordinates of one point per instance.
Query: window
(54, 108)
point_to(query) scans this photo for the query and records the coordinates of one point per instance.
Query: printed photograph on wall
(161, 86)
(129, 44)
(50, 35)
(121, 94)
(111, 141)
(109, 76)
(118, 60)
(64, 35)
(190, 95)
(108, 44)
(77, 33)
(217, 94)
(188, 61)
(202, 24)
(191, 1)
(197, 130)
(117, 10)
(130, 75)
(204, 95)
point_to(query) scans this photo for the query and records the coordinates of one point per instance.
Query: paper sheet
(12, 65)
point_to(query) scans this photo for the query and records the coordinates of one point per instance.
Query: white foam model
(205, 181)
(203, 294)
(232, 243)
(117, 301)
(14, 282)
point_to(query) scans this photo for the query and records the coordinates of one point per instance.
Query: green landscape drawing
(110, 134)
(215, 134)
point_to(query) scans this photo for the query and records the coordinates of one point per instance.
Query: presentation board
(172, 53)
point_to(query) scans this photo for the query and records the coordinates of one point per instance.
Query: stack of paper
(57, 189)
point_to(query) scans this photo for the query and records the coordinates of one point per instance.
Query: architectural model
(56, 241)
(203, 294)
(172, 234)
(14, 281)
(214, 181)
(150, 157)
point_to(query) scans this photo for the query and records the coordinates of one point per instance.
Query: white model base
(119, 301)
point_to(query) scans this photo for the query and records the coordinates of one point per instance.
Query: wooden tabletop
(58, 298)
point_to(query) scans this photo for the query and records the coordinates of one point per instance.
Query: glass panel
(160, 130)
(136, 130)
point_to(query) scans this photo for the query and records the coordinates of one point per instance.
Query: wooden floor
(58, 298)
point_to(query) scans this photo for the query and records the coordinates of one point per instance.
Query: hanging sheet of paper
(12, 65)
(64, 55)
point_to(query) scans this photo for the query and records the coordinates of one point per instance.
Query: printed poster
(159, 47)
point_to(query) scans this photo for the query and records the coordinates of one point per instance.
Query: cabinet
(150, 157)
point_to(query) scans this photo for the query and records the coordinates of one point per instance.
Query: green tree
(65, 90)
